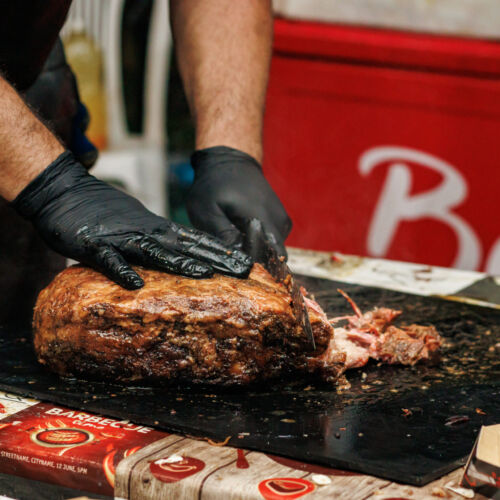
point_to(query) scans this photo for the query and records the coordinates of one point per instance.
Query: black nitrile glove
(230, 190)
(90, 221)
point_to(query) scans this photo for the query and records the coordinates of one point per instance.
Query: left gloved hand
(89, 220)
(230, 190)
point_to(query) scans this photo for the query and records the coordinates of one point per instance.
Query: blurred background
(382, 122)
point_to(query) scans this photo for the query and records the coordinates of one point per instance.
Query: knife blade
(264, 252)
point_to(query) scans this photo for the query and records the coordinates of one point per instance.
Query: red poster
(69, 447)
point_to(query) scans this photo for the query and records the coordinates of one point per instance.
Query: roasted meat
(220, 330)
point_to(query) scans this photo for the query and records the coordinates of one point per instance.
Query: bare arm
(224, 49)
(26, 145)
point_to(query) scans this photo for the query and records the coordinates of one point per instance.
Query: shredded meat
(370, 335)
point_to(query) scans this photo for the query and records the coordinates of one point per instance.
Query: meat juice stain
(242, 462)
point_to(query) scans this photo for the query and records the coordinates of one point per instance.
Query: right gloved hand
(90, 221)
(229, 190)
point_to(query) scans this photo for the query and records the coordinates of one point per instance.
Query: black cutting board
(364, 429)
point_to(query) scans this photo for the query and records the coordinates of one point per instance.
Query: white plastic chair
(136, 161)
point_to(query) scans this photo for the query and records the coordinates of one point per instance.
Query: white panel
(479, 18)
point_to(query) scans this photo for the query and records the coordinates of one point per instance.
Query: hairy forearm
(223, 49)
(26, 145)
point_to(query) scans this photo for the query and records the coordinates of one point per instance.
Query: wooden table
(178, 467)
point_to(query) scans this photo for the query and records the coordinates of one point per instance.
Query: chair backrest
(102, 20)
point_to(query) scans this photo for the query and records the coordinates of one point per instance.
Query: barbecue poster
(69, 447)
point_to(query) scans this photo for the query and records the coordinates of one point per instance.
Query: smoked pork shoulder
(221, 330)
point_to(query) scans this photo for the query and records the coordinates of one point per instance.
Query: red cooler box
(386, 143)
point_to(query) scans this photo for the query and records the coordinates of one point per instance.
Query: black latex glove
(229, 190)
(90, 221)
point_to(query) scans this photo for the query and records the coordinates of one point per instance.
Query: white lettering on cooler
(493, 261)
(397, 204)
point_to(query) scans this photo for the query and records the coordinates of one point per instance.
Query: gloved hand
(90, 221)
(230, 190)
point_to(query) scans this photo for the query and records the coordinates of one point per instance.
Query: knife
(260, 248)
